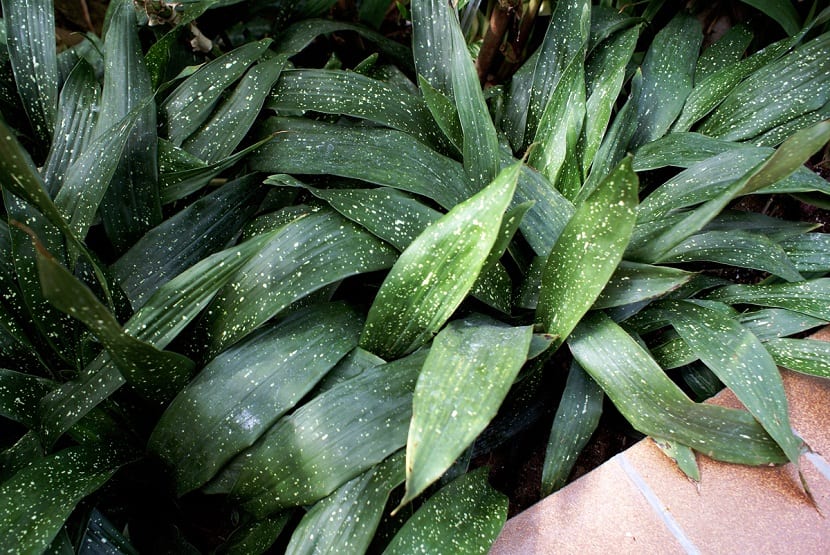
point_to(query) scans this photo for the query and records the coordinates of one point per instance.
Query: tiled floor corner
(639, 502)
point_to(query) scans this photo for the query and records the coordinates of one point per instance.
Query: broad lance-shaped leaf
(202, 228)
(808, 356)
(470, 367)
(244, 390)
(131, 204)
(346, 520)
(464, 517)
(158, 322)
(257, 536)
(656, 406)
(37, 500)
(668, 69)
(19, 395)
(30, 36)
(438, 39)
(330, 440)
(229, 125)
(587, 252)
(304, 255)
(577, 416)
(77, 114)
(739, 359)
(434, 274)
(811, 297)
(155, 374)
(728, 49)
(633, 283)
(191, 103)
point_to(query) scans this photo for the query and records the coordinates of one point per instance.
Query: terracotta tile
(737, 509)
(600, 513)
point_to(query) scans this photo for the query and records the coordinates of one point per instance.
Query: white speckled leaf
(217, 138)
(577, 416)
(809, 252)
(808, 356)
(30, 36)
(668, 69)
(302, 257)
(346, 520)
(740, 361)
(464, 517)
(587, 252)
(632, 283)
(239, 394)
(471, 365)
(811, 297)
(356, 95)
(654, 405)
(330, 440)
(168, 311)
(19, 395)
(436, 271)
(191, 103)
(37, 500)
(728, 49)
(443, 112)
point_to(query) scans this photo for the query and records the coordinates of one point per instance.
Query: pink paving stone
(735, 509)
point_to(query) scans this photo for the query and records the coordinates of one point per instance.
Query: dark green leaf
(632, 283)
(728, 49)
(810, 297)
(19, 396)
(37, 500)
(654, 405)
(434, 274)
(331, 439)
(30, 36)
(587, 252)
(101, 537)
(808, 356)
(443, 112)
(782, 11)
(682, 150)
(464, 517)
(668, 69)
(809, 252)
(303, 256)
(347, 519)
(256, 537)
(243, 391)
(470, 367)
(577, 416)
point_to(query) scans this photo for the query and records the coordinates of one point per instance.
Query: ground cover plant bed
(340, 276)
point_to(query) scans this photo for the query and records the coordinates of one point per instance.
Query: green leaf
(769, 323)
(683, 150)
(303, 256)
(30, 36)
(808, 356)
(19, 396)
(809, 252)
(587, 252)
(560, 125)
(330, 440)
(728, 49)
(156, 374)
(668, 69)
(199, 230)
(465, 516)
(190, 104)
(443, 112)
(356, 95)
(101, 536)
(740, 361)
(735, 248)
(165, 314)
(654, 405)
(243, 391)
(438, 39)
(227, 127)
(380, 156)
(810, 297)
(346, 520)
(256, 537)
(633, 283)
(682, 455)
(604, 74)
(434, 274)
(465, 378)
(577, 416)
(37, 500)
(791, 86)
(782, 11)
(126, 89)
(77, 113)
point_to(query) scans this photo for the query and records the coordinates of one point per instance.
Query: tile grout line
(659, 508)
(820, 463)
